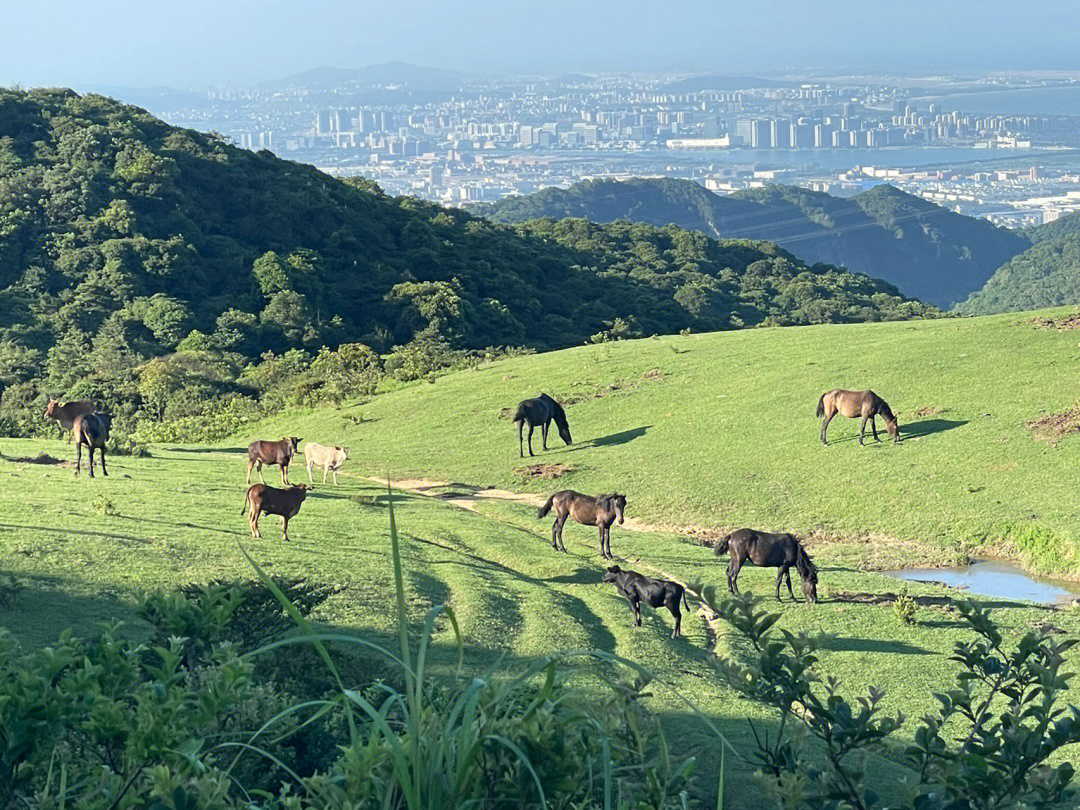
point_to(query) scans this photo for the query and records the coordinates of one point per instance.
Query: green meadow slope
(706, 430)
(718, 430)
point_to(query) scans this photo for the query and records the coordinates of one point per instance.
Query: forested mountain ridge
(123, 239)
(926, 251)
(1046, 274)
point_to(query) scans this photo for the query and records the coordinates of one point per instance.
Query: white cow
(329, 458)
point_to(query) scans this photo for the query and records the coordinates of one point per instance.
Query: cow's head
(344, 453)
(612, 574)
(302, 490)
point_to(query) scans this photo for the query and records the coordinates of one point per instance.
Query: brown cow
(280, 453)
(91, 429)
(64, 414)
(283, 502)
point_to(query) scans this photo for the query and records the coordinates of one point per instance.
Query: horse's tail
(685, 603)
(519, 414)
(243, 509)
(545, 508)
(821, 405)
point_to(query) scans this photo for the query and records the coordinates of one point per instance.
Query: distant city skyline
(124, 43)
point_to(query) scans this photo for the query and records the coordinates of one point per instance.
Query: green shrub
(904, 607)
(987, 747)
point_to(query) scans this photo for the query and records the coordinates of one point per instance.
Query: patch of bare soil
(41, 458)
(1061, 324)
(1055, 426)
(927, 410)
(547, 472)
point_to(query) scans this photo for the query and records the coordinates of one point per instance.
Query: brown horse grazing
(769, 551)
(280, 453)
(601, 511)
(854, 404)
(540, 411)
(91, 429)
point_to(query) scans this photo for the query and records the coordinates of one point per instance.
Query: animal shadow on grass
(870, 645)
(928, 427)
(208, 449)
(615, 439)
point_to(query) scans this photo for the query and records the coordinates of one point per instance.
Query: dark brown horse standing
(540, 411)
(280, 453)
(769, 551)
(854, 404)
(91, 429)
(601, 511)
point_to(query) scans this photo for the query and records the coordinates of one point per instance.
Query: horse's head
(560, 420)
(721, 547)
(619, 502)
(612, 573)
(809, 586)
(50, 409)
(890, 421)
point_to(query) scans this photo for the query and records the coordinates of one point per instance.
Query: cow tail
(821, 406)
(546, 507)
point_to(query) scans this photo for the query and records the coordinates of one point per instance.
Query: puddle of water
(996, 578)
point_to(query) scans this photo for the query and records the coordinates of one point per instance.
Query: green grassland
(718, 430)
(703, 430)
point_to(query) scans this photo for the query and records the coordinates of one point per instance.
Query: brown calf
(65, 414)
(283, 502)
(280, 453)
(91, 429)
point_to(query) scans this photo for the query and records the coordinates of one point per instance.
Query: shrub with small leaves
(904, 607)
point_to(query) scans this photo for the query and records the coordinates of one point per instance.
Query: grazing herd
(90, 428)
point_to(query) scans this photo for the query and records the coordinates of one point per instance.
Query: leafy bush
(987, 747)
(904, 607)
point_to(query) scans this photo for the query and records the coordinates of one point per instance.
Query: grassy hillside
(81, 550)
(926, 251)
(706, 430)
(719, 430)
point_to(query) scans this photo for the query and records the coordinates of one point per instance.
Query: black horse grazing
(638, 588)
(854, 404)
(540, 411)
(601, 511)
(769, 551)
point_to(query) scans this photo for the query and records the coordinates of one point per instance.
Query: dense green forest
(1046, 274)
(156, 269)
(925, 250)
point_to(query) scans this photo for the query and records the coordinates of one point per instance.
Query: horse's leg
(251, 464)
(779, 579)
(555, 533)
(258, 468)
(787, 577)
(561, 522)
(862, 431)
(873, 426)
(285, 528)
(733, 574)
(521, 448)
(543, 433)
(255, 515)
(637, 611)
(101, 452)
(531, 453)
(825, 427)
(78, 457)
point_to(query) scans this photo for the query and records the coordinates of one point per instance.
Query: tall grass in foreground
(525, 739)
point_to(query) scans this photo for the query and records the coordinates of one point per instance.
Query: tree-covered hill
(925, 250)
(1046, 274)
(123, 238)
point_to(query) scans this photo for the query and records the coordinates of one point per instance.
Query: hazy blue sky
(194, 44)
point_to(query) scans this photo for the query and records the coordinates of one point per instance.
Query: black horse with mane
(769, 551)
(540, 412)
